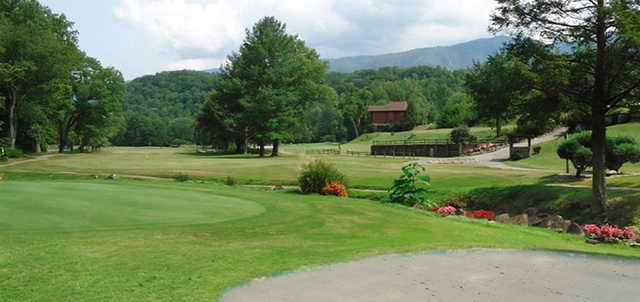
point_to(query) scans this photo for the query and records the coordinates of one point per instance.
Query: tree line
(50, 90)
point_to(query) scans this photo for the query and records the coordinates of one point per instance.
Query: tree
(605, 38)
(494, 87)
(94, 110)
(35, 46)
(266, 86)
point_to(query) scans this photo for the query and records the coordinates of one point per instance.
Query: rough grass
(167, 259)
(548, 158)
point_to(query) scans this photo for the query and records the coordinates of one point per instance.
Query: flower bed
(481, 214)
(607, 233)
(446, 211)
(335, 189)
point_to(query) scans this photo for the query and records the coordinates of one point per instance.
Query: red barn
(383, 115)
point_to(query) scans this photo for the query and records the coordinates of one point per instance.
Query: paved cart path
(474, 275)
(493, 159)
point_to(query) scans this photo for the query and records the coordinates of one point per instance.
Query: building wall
(428, 150)
(386, 117)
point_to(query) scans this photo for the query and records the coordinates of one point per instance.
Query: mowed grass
(125, 240)
(548, 157)
(362, 172)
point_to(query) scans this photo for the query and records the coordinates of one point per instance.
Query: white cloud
(200, 34)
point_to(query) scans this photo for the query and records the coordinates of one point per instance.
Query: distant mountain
(458, 56)
(212, 70)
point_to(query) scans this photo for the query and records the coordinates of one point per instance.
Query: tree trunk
(599, 130)
(13, 123)
(498, 127)
(261, 148)
(36, 145)
(355, 127)
(62, 140)
(276, 148)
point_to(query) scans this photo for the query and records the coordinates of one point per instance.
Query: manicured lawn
(548, 158)
(126, 240)
(362, 172)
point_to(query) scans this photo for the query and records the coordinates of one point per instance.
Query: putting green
(58, 206)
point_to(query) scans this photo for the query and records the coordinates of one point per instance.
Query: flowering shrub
(607, 232)
(445, 211)
(481, 214)
(336, 189)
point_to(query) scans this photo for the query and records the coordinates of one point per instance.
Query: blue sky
(141, 37)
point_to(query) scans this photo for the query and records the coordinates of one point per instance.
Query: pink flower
(592, 229)
(447, 211)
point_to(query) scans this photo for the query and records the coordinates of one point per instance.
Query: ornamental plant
(409, 189)
(316, 175)
(335, 189)
(446, 211)
(607, 232)
(481, 214)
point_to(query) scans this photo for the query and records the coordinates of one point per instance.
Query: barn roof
(393, 106)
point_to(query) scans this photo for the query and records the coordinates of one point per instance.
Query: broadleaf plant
(410, 188)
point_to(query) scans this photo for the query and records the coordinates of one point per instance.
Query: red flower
(592, 230)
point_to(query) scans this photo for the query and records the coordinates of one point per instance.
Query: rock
(503, 218)
(575, 228)
(634, 244)
(278, 188)
(531, 212)
(419, 206)
(556, 222)
(522, 219)
(535, 220)
(592, 241)
(113, 176)
(460, 212)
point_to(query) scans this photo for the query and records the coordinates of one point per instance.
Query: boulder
(503, 218)
(575, 228)
(522, 219)
(535, 220)
(592, 241)
(278, 188)
(556, 222)
(113, 176)
(634, 244)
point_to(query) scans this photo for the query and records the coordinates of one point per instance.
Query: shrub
(405, 189)
(3, 155)
(460, 201)
(181, 177)
(607, 233)
(619, 154)
(537, 149)
(316, 175)
(462, 135)
(618, 151)
(230, 181)
(335, 189)
(446, 211)
(578, 154)
(14, 153)
(481, 214)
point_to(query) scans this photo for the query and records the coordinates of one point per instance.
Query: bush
(462, 135)
(230, 181)
(481, 214)
(182, 177)
(335, 189)
(618, 151)
(316, 175)
(3, 155)
(580, 156)
(405, 189)
(607, 233)
(14, 153)
(446, 211)
(537, 149)
(621, 154)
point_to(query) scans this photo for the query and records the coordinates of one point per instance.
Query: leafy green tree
(579, 155)
(605, 38)
(494, 87)
(35, 49)
(94, 111)
(455, 113)
(266, 86)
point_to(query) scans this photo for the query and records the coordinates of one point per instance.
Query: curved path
(38, 158)
(493, 159)
(475, 275)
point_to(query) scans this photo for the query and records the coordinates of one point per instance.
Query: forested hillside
(458, 56)
(159, 109)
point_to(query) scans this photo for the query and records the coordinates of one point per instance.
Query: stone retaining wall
(427, 150)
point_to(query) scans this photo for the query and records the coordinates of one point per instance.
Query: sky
(141, 37)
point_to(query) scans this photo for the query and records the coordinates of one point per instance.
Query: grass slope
(548, 158)
(90, 259)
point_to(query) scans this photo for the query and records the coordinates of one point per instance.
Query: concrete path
(494, 159)
(475, 275)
